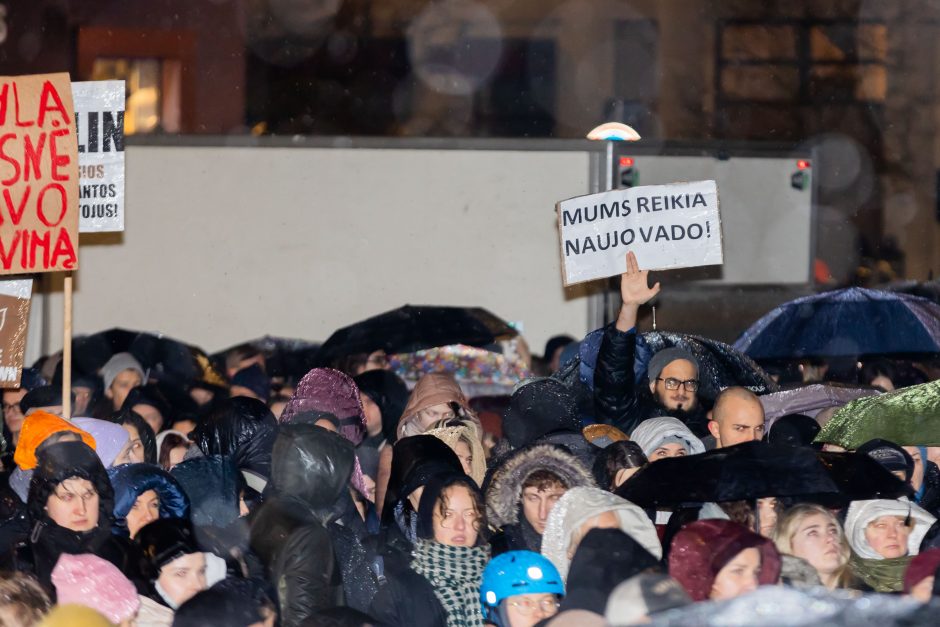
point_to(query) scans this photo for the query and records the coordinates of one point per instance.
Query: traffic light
(800, 179)
(629, 177)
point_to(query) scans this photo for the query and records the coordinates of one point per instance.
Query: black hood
(311, 464)
(240, 427)
(604, 559)
(415, 460)
(538, 408)
(213, 485)
(62, 461)
(389, 392)
(162, 541)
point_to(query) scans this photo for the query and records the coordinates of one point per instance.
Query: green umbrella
(909, 417)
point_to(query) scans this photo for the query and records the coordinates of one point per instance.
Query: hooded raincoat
(653, 433)
(110, 438)
(131, 480)
(580, 505)
(432, 389)
(452, 436)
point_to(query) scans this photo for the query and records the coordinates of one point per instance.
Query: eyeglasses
(527, 607)
(690, 385)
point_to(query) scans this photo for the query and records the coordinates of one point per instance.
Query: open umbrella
(810, 399)
(412, 328)
(845, 323)
(755, 470)
(290, 358)
(478, 371)
(909, 417)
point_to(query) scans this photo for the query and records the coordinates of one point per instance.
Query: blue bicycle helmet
(517, 572)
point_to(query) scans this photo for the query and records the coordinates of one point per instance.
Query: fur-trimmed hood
(505, 486)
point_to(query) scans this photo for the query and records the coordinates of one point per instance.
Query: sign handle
(67, 349)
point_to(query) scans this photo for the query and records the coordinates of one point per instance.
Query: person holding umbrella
(673, 372)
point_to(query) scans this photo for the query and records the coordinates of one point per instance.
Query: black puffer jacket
(308, 533)
(242, 428)
(47, 540)
(618, 400)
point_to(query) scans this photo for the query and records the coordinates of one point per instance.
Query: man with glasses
(672, 372)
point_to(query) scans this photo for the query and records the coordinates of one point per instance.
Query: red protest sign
(39, 175)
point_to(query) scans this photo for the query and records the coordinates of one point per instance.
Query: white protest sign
(99, 118)
(666, 226)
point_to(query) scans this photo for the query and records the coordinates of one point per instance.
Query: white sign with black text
(99, 117)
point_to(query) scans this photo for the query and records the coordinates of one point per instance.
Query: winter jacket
(242, 428)
(930, 497)
(308, 534)
(577, 506)
(328, 391)
(406, 598)
(619, 400)
(131, 480)
(110, 438)
(432, 389)
(504, 492)
(389, 393)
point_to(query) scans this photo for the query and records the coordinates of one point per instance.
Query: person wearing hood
(440, 586)
(520, 589)
(925, 479)
(112, 442)
(436, 397)
(664, 437)
(172, 565)
(143, 493)
(384, 397)
(172, 446)
(242, 428)
(40, 429)
(121, 374)
(96, 583)
(673, 373)
(463, 440)
(583, 509)
(139, 432)
(718, 559)
(308, 533)
(69, 509)
(524, 489)
(884, 534)
(546, 411)
(251, 382)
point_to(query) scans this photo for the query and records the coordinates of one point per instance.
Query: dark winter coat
(407, 598)
(307, 533)
(619, 400)
(131, 480)
(242, 428)
(47, 541)
(930, 499)
(389, 392)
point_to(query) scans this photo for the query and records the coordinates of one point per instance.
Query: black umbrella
(755, 470)
(413, 328)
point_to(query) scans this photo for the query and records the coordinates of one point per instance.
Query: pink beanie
(96, 583)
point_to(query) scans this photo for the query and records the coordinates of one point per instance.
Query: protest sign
(39, 173)
(99, 122)
(14, 323)
(666, 226)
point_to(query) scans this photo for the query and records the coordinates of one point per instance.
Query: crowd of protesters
(345, 498)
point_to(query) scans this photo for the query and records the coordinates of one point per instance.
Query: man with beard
(672, 372)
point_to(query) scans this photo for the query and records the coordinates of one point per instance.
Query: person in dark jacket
(440, 584)
(384, 396)
(522, 491)
(243, 428)
(673, 373)
(143, 493)
(308, 533)
(171, 561)
(229, 603)
(69, 510)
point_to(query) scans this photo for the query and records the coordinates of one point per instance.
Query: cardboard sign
(14, 323)
(666, 226)
(39, 173)
(99, 119)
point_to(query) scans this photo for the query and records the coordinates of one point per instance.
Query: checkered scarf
(455, 572)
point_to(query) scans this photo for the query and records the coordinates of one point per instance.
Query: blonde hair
(791, 520)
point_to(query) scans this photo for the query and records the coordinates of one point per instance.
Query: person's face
(151, 416)
(82, 398)
(887, 536)
(527, 610)
(740, 420)
(458, 524)
(680, 398)
(377, 360)
(917, 479)
(465, 455)
(176, 455)
(672, 449)
(923, 591)
(131, 453)
(739, 576)
(12, 414)
(537, 505)
(373, 415)
(816, 540)
(73, 505)
(135, 442)
(120, 387)
(201, 396)
(623, 474)
(427, 417)
(767, 515)
(146, 509)
(182, 578)
(326, 424)
(184, 426)
(604, 520)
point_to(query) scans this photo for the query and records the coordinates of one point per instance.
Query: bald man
(736, 417)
